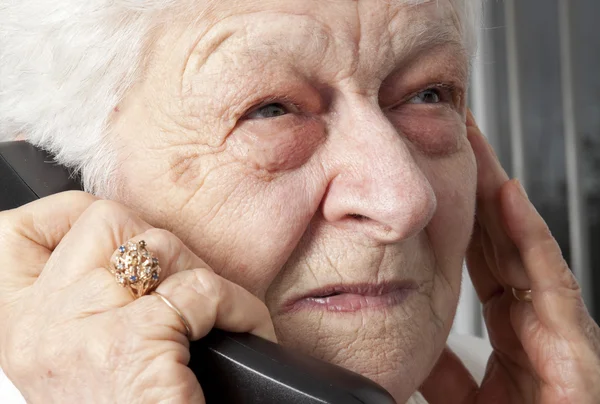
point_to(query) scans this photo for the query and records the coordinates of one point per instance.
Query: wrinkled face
(315, 153)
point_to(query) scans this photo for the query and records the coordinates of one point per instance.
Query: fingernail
(521, 189)
(470, 119)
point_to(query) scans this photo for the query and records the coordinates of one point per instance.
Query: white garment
(473, 351)
(8, 392)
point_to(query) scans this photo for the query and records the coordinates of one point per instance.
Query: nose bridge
(377, 178)
(381, 150)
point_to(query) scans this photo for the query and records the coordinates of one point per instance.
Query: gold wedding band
(135, 268)
(188, 329)
(522, 295)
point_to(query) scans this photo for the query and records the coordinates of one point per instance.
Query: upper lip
(364, 289)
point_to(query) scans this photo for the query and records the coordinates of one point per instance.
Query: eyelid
(293, 107)
(451, 95)
(449, 89)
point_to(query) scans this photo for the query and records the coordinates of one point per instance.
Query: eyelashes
(435, 94)
(273, 107)
(272, 110)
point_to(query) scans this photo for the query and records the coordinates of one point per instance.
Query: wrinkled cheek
(454, 181)
(434, 133)
(283, 145)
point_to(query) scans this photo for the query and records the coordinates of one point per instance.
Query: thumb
(29, 234)
(449, 382)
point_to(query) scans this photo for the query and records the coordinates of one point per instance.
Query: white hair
(66, 64)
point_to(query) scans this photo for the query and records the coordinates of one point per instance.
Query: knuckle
(160, 233)
(566, 285)
(171, 245)
(163, 237)
(207, 284)
(24, 220)
(80, 197)
(106, 209)
(568, 281)
(112, 216)
(547, 252)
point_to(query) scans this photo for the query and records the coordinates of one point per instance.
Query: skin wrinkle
(358, 40)
(181, 164)
(198, 70)
(270, 173)
(215, 209)
(439, 320)
(456, 21)
(324, 39)
(427, 39)
(213, 46)
(211, 215)
(332, 266)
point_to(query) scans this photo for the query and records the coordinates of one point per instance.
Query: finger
(46, 221)
(450, 382)
(206, 300)
(97, 290)
(480, 269)
(37, 228)
(92, 240)
(555, 291)
(490, 179)
(29, 234)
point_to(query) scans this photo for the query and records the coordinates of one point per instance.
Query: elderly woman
(303, 170)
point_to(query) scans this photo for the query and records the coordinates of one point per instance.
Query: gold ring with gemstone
(135, 268)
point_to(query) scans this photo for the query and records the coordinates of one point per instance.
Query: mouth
(351, 298)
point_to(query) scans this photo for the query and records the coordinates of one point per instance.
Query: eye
(272, 110)
(429, 96)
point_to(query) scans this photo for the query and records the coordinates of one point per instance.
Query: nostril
(357, 216)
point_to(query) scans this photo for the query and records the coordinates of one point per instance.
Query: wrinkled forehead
(429, 19)
(375, 32)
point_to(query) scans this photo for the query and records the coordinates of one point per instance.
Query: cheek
(435, 131)
(277, 144)
(454, 180)
(256, 228)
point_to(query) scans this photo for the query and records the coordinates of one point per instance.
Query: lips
(351, 298)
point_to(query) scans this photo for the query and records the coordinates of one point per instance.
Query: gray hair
(66, 64)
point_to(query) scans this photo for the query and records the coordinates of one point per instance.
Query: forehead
(413, 18)
(348, 34)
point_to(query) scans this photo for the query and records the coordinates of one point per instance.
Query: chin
(395, 345)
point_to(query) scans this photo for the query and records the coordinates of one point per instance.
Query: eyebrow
(442, 40)
(422, 39)
(433, 36)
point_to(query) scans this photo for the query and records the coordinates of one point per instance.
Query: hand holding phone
(231, 367)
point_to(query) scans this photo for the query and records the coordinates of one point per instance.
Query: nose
(376, 185)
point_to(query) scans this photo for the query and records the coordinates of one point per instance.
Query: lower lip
(350, 302)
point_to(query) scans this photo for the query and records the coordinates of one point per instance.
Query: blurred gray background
(536, 95)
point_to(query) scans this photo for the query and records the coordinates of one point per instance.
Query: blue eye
(269, 111)
(429, 96)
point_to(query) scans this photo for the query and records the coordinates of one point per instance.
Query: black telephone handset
(232, 368)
